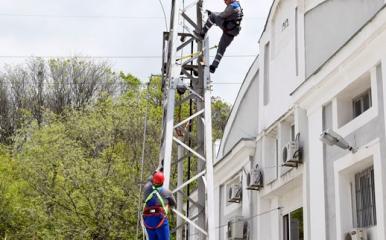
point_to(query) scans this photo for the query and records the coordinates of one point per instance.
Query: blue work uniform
(156, 204)
(229, 21)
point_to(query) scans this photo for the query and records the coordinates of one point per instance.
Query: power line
(163, 10)
(245, 219)
(227, 83)
(117, 57)
(252, 217)
(14, 15)
(81, 83)
(80, 16)
(143, 157)
(84, 57)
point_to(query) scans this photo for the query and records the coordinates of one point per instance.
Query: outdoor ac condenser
(357, 234)
(235, 193)
(291, 154)
(236, 228)
(255, 179)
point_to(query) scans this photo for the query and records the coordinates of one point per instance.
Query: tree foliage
(71, 155)
(53, 85)
(220, 114)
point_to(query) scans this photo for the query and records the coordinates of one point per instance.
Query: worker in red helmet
(157, 201)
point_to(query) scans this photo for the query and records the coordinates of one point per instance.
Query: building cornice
(316, 74)
(239, 146)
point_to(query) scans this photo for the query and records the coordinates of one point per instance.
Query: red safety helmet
(158, 178)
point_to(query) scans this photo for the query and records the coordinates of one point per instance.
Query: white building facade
(322, 65)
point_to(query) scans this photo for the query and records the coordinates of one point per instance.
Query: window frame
(287, 224)
(293, 135)
(237, 179)
(361, 97)
(365, 216)
(286, 228)
(267, 64)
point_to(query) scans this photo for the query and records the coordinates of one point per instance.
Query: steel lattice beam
(177, 68)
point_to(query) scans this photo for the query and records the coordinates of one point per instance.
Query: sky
(117, 28)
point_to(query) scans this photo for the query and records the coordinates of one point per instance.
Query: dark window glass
(365, 198)
(366, 102)
(277, 156)
(293, 133)
(357, 108)
(361, 103)
(286, 227)
(293, 225)
(266, 72)
(296, 221)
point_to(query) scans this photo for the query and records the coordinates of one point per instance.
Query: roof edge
(240, 96)
(232, 148)
(316, 71)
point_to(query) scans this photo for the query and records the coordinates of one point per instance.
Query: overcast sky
(119, 28)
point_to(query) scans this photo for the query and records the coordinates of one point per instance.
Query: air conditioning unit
(291, 154)
(236, 228)
(235, 192)
(357, 234)
(255, 179)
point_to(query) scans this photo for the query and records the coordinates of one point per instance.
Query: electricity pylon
(178, 144)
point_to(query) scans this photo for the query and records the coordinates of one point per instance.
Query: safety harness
(155, 210)
(230, 25)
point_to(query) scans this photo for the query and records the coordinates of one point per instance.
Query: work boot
(212, 68)
(198, 35)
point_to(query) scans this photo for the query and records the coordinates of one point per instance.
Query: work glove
(159, 169)
(212, 68)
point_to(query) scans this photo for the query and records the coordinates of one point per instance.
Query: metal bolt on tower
(179, 145)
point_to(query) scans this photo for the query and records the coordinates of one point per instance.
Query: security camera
(181, 88)
(332, 138)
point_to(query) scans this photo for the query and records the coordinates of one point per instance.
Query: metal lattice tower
(179, 145)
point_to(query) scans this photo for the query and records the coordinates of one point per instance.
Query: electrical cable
(252, 217)
(163, 10)
(80, 83)
(142, 158)
(80, 16)
(245, 219)
(113, 56)
(83, 57)
(106, 16)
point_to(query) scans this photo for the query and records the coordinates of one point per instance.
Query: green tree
(74, 173)
(54, 85)
(220, 114)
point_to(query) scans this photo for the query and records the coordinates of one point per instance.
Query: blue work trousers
(161, 233)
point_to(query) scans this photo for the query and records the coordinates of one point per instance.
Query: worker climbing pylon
(157, 201)
(229, 21)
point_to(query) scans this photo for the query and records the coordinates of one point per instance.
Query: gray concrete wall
(221, 212)
(381, 126)
(331, 24)
(245, 124)
(372, 130)
(329, 178)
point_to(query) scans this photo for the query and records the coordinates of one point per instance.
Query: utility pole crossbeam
(177, 143)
